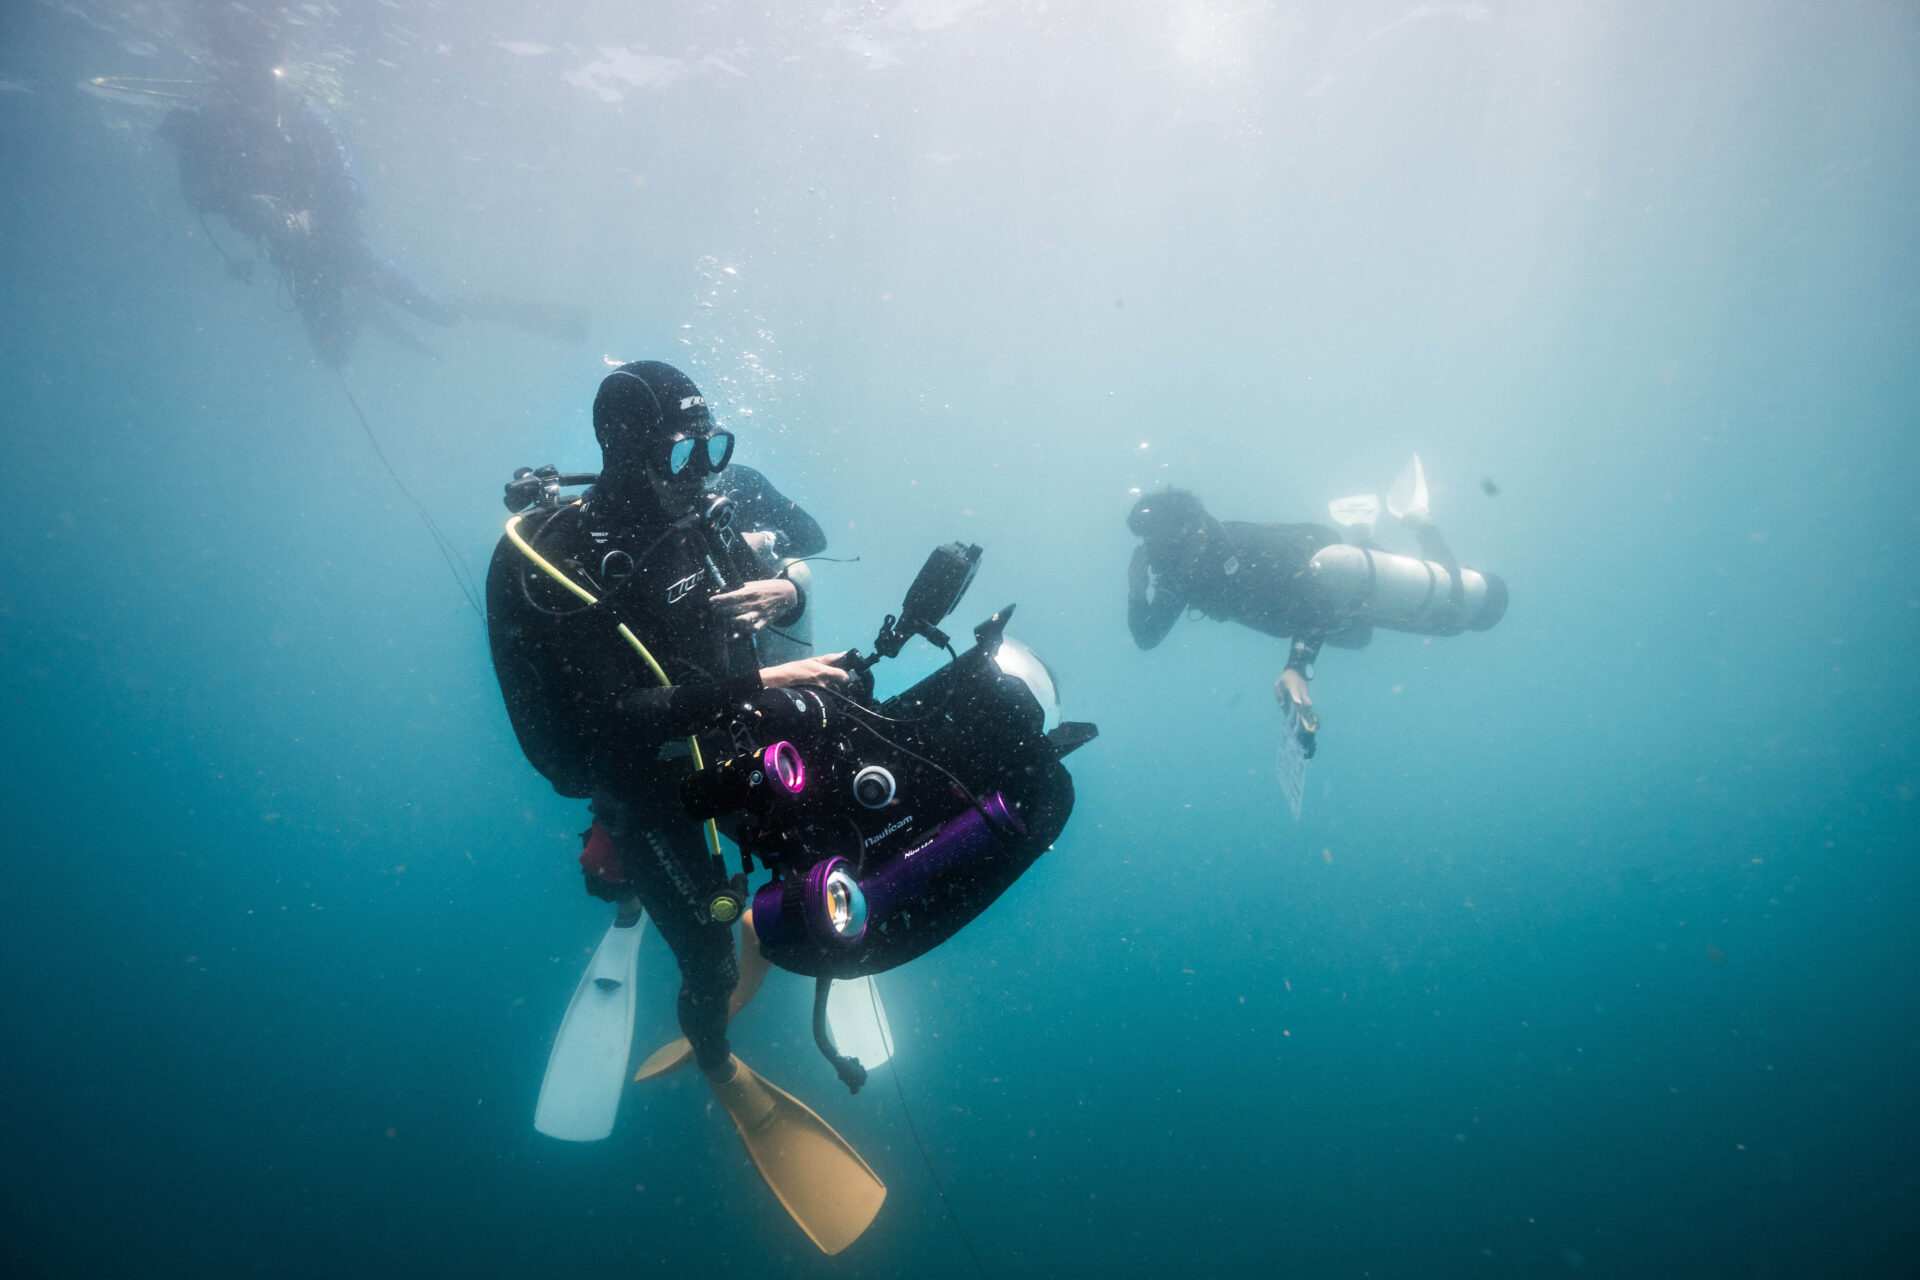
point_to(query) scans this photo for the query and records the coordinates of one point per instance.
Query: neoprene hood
(642, 403)
(1165, 514)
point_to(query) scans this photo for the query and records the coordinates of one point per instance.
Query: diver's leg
(388, 282)
(330, 322)
(383, 322)
(324, 303)
(1432, 545)
(671, 874)
(554, 320)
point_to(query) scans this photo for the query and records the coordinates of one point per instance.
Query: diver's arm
(775, 597)
(1432, 545)
(1291, 687)
(1150, 619)
(764, 507)
(753, 605)
(1304, 653)
(1299, 670)
(800, 577)
(695, 708)
(658, 714)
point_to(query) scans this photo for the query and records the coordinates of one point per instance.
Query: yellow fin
(822, 1181)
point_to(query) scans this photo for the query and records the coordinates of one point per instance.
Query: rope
(873, 994)
(456, 563)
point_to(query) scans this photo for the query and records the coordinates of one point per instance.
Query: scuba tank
(775, 645)
(1403, 593)
(1428, 594)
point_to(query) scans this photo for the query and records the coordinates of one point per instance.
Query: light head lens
(846, 907)
(785, 769)
(832, 905)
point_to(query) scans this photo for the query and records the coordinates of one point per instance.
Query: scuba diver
(622, 628)
(277, 170)
(1302, 583)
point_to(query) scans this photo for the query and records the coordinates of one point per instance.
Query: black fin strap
(851, 1073)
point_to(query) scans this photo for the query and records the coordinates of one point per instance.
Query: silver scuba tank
(1402, 593)
(789, 643)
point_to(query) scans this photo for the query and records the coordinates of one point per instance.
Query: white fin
(1408, 497)
(858, 1022)
(587, 1070)
(1362, 512)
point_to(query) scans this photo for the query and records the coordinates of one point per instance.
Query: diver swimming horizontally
(275, 168)
(1302, 583)
(623, 626)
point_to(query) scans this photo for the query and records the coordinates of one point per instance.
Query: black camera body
(922, 809)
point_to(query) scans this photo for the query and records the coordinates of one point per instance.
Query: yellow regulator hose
(587, 597)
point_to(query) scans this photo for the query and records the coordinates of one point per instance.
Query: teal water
(1593, 950)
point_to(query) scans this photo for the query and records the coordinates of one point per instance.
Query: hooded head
(640, 410)
(1174, 525)
(1159, 517)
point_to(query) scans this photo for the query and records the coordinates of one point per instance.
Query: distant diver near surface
(273, 166)
(1303, 583)
(624, 626)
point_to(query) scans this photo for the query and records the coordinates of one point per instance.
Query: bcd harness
(723, 907)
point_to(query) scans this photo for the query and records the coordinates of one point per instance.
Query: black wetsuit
(598, 725)
(758, 505)
(1245, 573)
(282, 176)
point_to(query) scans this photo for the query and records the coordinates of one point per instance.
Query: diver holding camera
(623, 628)
(659, 559)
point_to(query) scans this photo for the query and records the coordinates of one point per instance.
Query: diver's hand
(759, 540)
(806, 671)
(756, 604)
(1292, 687)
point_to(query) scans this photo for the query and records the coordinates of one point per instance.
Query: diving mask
(699, 455)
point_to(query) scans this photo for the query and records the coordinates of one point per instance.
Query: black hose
(851, 1073)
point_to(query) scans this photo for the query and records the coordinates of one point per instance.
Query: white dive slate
(1362, 512)
(1290, 765)
(587, 1070)
(858, 1022)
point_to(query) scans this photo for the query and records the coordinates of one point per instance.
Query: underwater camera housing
(889, 826)
(935, 593)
